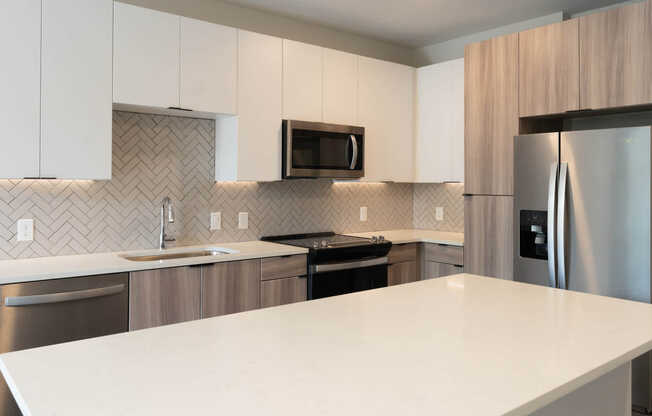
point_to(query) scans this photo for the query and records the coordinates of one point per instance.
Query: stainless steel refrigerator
(582, 218)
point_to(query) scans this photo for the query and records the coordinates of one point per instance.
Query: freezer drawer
(36, 314)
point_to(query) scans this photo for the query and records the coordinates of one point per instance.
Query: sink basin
(177, 254)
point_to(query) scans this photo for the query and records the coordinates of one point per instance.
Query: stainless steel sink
(177, 255)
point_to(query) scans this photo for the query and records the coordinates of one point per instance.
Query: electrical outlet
(25, 230)
(216, 221)
(439, 213)
(363, 213)
(243, 220)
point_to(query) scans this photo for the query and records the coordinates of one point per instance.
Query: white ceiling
(417, 23)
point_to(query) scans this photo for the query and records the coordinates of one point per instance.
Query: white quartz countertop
(417, 236)
(462, 345)
(57, 267)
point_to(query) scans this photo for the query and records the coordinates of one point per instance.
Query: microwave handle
(354, 156)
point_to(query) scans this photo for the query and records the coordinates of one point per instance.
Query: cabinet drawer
(434, 270)
(283, 291)
(287, 266)
(444, 254)
(402, 252)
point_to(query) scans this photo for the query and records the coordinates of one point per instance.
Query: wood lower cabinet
(230, 288)
(164, 296)
(616, 57)
(549, 69)
(283, 291)
(400, 273)
(491, 115)
(433, 270)
(488, 235)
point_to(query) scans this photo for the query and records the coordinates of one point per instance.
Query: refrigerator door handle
(552, 199)
(561, 225)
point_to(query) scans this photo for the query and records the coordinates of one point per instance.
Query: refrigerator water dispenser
(533, 229)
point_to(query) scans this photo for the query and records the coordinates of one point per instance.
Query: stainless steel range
(339, 264)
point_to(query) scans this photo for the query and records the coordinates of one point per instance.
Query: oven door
(319, 150)
(340, 278)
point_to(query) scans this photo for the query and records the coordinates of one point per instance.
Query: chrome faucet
(163, 237)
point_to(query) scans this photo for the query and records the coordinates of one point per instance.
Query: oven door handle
(323, 268)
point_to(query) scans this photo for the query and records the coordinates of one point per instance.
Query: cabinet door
(340, 87)
(491, 115)
(146, 57)
(616, 57)
(549, 69)
(386, 111)
(76, 89)
(248, 148)
(230, 287)
(302, 81)
(488, 236)
(20, 86)
(283, 291)
(209, 66)
(435, 270)
(400, 273)
(164, 296)
(440, 123)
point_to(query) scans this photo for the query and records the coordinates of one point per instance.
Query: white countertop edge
(416, 235)
(61, 267)
(13, 388)
(562, 391)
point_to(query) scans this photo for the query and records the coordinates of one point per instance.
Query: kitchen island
(463, 345)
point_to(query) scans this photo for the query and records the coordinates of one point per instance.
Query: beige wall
(258, 21)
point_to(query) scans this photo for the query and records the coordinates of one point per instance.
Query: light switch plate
(363, 213)
(216, 221)
(439, 213)
(243, 220)
(25, 230)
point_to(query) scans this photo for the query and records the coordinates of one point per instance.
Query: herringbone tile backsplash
(158, 156)
(447, 195)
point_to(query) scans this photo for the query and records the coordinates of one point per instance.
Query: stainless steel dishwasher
(36, 314)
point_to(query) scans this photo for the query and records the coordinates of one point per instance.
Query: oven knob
(381, 238)
(315, 244)
(374, 239)
(324, 243)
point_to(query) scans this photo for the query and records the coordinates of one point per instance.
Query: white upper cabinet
(386, 111)
(208, 66)
(76, 89)
(340, 81)
(146, 57)
(248, 147)
(302, 81)
(440, 122)
(20, 40)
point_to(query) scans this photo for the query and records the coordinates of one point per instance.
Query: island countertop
(462, 345)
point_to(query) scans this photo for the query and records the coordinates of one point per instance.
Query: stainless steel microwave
(320, 150)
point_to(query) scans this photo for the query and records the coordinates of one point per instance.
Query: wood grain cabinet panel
(616, 57)
(285, 266)
(488, 236)
(283, 291)
(443, 253)
(434, 270)
(491, 115)
(164, 296)
(400, 273)
(549, 69)
(403, 252)
(230, 287)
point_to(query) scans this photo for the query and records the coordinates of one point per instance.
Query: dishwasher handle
(63, 296)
